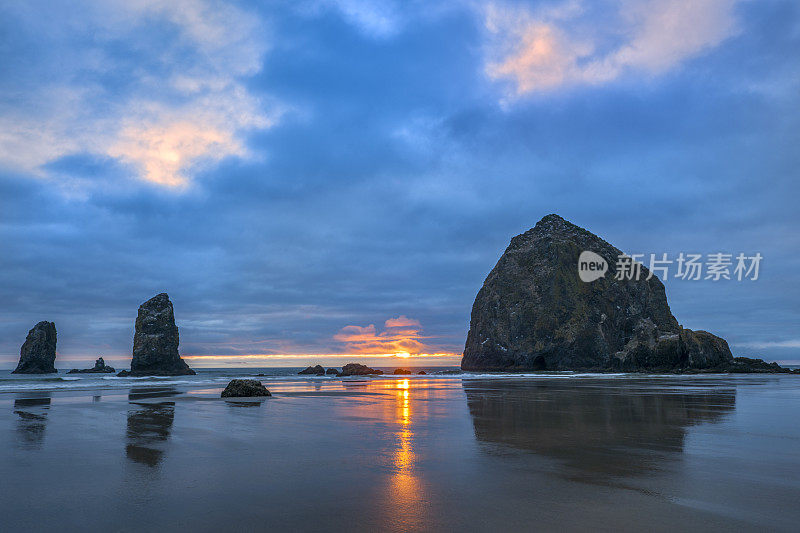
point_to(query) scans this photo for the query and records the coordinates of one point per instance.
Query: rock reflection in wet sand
(32, 413)
(149, 427)
(597, 429)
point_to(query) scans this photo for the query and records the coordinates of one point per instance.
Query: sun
(404, 355)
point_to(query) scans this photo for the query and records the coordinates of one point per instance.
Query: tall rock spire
(155, 342)
(38, 354)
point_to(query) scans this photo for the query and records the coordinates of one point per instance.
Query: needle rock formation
(38, 354)
(155, 341)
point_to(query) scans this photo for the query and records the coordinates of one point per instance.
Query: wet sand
(417, 454)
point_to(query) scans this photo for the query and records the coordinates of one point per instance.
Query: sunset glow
(400, 337)
(399, 342)
(332, 359)
(405, 489)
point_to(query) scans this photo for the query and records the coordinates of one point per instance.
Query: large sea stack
(38, 353)
(155, 342)
(535, 313)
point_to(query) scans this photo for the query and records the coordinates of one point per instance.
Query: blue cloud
(390, 184)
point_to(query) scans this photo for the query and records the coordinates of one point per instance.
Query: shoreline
(406, 453)
(220, 377)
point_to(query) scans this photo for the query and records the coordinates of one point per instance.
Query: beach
(444, 451)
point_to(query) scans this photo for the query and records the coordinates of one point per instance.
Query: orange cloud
(163, 152)
(558, 45)
(184, 106)
(401, 335)
(402, 320)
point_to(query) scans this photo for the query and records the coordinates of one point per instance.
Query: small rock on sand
(245, 388)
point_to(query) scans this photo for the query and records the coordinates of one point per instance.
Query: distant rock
(314, 370)
(356, 369)
(244, 388)
(332, 371)
(155, 342)
(422, 373)
(38, 353)
(401, 371)
(535, 313)
(746, 364)
(100, 367)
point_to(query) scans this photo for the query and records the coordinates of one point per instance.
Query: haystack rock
(535, 313)
(155, 342)
(38, 354)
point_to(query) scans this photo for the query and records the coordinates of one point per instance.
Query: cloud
(401, 335)
(791, 343)
(402, 321)
(572, 44)
(162, 151)
(383, 19)
(157, 86)
(380, 18)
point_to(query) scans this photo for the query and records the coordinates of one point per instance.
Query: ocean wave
(208, 379)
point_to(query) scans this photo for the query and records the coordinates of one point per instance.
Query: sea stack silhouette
(38, 353)
(535, 313)
(100, 367)
(155, 342)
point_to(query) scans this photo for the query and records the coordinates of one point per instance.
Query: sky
(320, 180)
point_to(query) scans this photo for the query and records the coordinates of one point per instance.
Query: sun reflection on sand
(406, 495)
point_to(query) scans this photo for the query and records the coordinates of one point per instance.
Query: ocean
(444, 451)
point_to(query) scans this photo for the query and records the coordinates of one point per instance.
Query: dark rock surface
(314, 370)
(534, 313)
(401, 371)
(332, 371)
(38, 353)
(155, 342)
(356, 369)
(244, 388)
(422, 373)
(100, 367)
(746, 364)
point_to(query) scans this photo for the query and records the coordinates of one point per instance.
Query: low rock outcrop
(356, 369)
(38, 353)
(155, 341)
(401, 372)
(317, 370)
(100, 367)
(244, 388)
(535, 313)
(748, 365)
(332, 371)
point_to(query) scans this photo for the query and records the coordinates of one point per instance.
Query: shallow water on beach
(443, 452)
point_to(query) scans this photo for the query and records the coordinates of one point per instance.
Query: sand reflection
(596, 429)
(149, 428)
(32, 413)
(406, 498)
